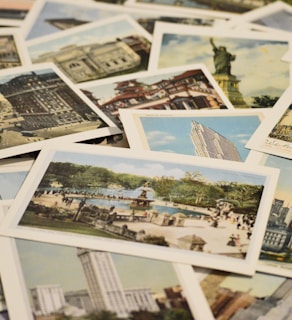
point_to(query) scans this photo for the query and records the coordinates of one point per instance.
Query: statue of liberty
(222, 59)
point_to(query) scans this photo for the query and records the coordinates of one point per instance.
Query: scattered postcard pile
(145, 160)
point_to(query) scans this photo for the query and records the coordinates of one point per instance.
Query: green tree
(264, 101)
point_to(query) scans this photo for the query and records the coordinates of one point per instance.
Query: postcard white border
(137, 139)
(260, 140)
(259, 13)
(9, 226)
(86, 135)
(39, 6)
(180, 9)
(264, 265)
(19, 43)
(162, 27)
(16, 291)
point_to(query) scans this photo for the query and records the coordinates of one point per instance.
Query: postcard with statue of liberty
(148, 204)
(247, 65)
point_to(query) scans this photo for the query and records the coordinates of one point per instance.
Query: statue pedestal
(229, 85)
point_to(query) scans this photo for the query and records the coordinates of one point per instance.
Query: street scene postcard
(205, 212)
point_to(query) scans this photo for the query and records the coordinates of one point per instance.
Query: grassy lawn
(32, 220)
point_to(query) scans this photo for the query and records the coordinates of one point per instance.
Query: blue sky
(155, 168)
(10, 183)
(258, 63)
(172, 134)
(44, 264)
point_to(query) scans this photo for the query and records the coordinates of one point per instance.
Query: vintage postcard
(3, 307)
(275, 256)
(11, 178)
(247, 66)
(71, 276)
(219, 134)
(40, 105)
(15, 11)
(232, 296)
(13, 52)
(96, 50)
(181, 88)
(123, 201)
(276, 16)
(274, 135)
(230, 6)
(52, 16)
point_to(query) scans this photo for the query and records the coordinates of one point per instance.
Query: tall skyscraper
(104, 285)
(211, 144)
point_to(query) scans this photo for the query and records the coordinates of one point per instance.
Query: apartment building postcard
(143, 204)
(13, 52)
(219, 134)
(233, 296)
(13, 12)
(250, 70)
(96, 50)
(73, 276)
(190, 87)
(52, 16)
(40, 105)
(274, 17)
(274, 135)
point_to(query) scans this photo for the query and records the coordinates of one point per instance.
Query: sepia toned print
(97, 50)
(3, 308)
(37, 105)
(9, 56)
(274, 135)
(15, 9)
(99, 284)
(150, 202)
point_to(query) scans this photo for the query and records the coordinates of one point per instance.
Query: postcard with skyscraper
(190, 87)
(146, 204)
(275, 255)
(219, 134)
(247, 66)
(95, 284)
(274, 135)
(39, 104)
(96, 50)
(13, 52)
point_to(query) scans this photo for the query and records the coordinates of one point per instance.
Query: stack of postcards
(145, 160)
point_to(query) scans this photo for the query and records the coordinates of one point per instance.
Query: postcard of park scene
(40, 105)
(274, 135)
(232, 296)
(12, 49)
(219, 134)
(119, 37)
(180, 88)
(162, 293)
(52, 16)
(247, 66)
(123, 201)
